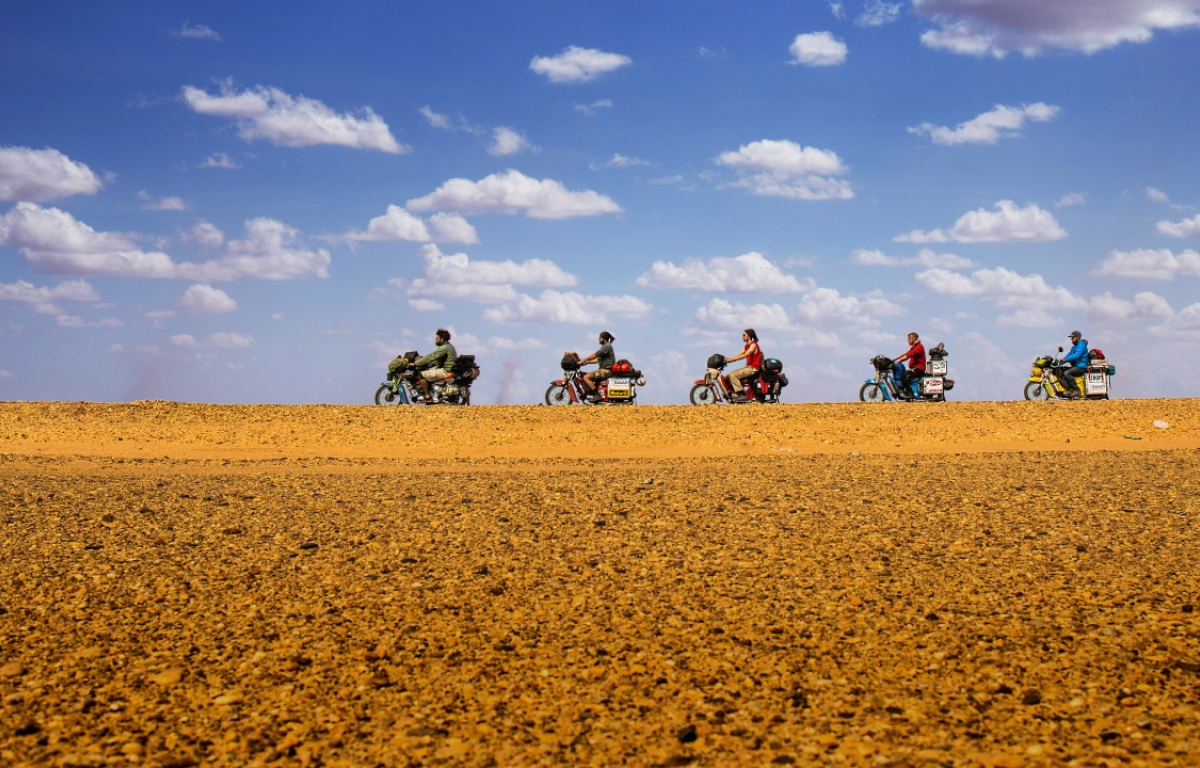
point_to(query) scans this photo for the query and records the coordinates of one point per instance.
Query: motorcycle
(618, 389)
(888, 384)
(763, 387)
(1045, 383)
(401, 385)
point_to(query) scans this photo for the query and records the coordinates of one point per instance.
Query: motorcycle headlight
(641, 382)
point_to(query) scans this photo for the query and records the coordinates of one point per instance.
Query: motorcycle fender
(701, 381)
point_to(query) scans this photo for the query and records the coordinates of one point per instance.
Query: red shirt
(755, 358)
(916, 356)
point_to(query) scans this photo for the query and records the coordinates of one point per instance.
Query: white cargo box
(932, 385)
(619, 389)
(1095, 383)
(938, 368)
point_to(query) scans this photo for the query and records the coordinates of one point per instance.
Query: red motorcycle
(763, 387)
(618, 389)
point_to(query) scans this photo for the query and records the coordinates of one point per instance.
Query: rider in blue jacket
(1076, 361)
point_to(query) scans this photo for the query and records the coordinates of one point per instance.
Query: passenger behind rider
(916, 365)
(754, 359)
(604, 358)
(436, 366)
(1075, 363)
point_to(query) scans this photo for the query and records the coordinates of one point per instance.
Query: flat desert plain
(975, 584)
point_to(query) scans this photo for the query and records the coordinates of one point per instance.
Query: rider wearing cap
(916, 364)
(1076, 364)
(604, 358)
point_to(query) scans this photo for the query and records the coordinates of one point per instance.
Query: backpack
(771, 365)
(716, 362)
(1095, 354)
(570, 362)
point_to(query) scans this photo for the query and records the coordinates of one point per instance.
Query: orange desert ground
(974, 584)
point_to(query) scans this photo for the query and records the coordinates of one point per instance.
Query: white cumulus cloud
(1005, 287)
(436, 119)
(452, 228)
(619, 161)
(396, 224)
(508, 141)
(785, 169)
(197, 32)
(292, 121)
(1107, 308)
(205, 234)
(219, 160)
(509, 345)
(876, 13)
(926, 258)
(204, 299)
(230, 340)
(997, 27)
(162, 203)
(53, 241)
(1184, 325)
(42, 298)
(1005, 224)
(455, 276)
(1071, 198)
(818, 49)
(567, 307)
(1000, 123)
(514, 192)
(43, 174)
(827, 308)
(749, 273)
(1149, 264)
(578, 65)
(1186, 228)
(595, 106)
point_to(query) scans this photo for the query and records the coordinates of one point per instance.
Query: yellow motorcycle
(1094, 384)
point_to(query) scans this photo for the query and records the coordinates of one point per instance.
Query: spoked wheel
(871, 393)
(385, 395)
(558, 394)
(703, 394)
(1034, 390)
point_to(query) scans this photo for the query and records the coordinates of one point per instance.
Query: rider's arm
(433, 358)
(738, 356)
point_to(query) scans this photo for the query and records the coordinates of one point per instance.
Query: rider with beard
(436, 366)
(916, 364)
(1075, 363)
(604, 358)
(754, 360)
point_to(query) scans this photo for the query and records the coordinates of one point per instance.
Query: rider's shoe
(592, 397)
(738, 397)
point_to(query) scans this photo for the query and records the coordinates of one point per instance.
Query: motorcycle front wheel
(558, 394)
(703, 394)
(385, 395)
(1034, 390)
(871, 393)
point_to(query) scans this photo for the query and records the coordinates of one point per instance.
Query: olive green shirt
(443, 357)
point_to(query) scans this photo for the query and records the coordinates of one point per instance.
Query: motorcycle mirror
(1060, 349)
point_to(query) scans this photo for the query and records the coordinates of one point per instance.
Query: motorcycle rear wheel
(703, 394)
(557, 394)
(385, 395)
(871, 393)
(1035, 390)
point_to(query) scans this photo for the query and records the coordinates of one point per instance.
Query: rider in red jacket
(916, 364)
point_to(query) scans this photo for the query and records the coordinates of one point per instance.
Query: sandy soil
(844, 584)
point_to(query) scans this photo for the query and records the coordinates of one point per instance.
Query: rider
(604, 359)
(437, 364)
(916, 364)
(1076, 364)
(754, 360)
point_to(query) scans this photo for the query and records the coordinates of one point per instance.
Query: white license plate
(931, 386)
(618, 383)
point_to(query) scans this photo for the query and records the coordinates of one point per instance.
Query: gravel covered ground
(889, 585)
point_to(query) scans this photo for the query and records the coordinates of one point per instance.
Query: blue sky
(265, 203)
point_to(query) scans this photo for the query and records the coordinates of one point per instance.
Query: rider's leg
(1067, 379)
(736, 380)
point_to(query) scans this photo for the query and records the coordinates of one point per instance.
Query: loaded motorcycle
(888, 384)
(1044, 378)
(618, 389)
(401, 386)
(762, 387)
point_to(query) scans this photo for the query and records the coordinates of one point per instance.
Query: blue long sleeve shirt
(1078, 356)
